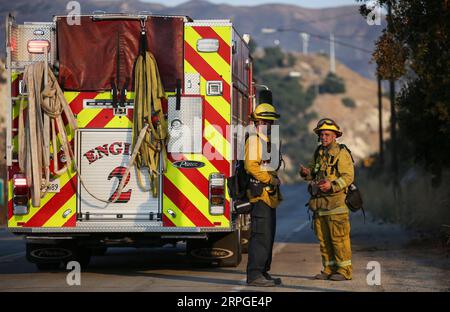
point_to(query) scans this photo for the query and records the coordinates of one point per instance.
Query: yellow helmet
(264, 111)
(328, 124)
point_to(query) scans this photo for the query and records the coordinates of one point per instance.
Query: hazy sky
(303, 3)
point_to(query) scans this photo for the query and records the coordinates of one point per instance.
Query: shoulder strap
(343, 146)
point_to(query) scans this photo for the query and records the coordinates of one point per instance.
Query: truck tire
(220, 249)
(48, 256)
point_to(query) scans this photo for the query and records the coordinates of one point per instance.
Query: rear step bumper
(101, 227)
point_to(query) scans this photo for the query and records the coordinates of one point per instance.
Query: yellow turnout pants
(333, 233)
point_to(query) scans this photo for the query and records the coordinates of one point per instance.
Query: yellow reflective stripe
(214, 59)
(188, 188)
(217, 140)
(337, 210)
(16, 108)
(57, 220)
(224, 32)
(344, 263)
(341, 182)
(14, 76)
(119, 122)
(15, 143)
(85, 116)
(328, 263)
(10, 189)
(205, 170)
(217, 102)
(70, 96)
(180, 218)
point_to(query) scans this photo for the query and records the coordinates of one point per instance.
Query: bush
(332, 84)
(348, 102)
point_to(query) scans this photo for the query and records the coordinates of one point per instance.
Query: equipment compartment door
(103, 157)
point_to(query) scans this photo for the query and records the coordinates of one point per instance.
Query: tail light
(21, 194)
(216, 194)
(38, 46)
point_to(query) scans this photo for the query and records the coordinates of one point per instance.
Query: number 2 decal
(118, 173)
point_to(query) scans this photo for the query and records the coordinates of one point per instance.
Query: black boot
(268, 277)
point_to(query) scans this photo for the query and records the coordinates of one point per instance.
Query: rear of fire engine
(92, 188)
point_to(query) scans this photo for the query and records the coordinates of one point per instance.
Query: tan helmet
(328, 124)
(264, 111)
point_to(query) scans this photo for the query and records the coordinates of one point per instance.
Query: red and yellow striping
(185, 191)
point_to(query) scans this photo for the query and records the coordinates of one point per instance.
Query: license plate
(54, 186)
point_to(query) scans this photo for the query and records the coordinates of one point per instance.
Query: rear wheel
(50, 255)
(220, 249)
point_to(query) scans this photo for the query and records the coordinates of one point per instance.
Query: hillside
(346, 22)
(358, 122)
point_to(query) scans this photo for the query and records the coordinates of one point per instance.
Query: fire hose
(46, 106)
(44, 121)
(148, 110)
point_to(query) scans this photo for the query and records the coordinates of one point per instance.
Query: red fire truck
(206, 71)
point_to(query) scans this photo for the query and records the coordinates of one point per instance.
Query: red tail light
(216, 194)
(217, 191)
(21, 194)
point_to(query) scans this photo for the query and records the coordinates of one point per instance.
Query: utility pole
(305, 40)
(393, 114)
(380, 120)
(332, 57)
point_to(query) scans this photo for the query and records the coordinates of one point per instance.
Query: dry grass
(418, 205)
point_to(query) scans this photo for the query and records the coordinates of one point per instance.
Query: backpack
(241, 181)
(237, 189)
(353, 198)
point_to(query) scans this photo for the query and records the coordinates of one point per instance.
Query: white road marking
(277, 249)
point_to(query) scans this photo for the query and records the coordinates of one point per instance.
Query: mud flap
(220, 249)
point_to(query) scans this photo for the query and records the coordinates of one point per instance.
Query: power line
(313, 21)
(328, 19)
(345, 44)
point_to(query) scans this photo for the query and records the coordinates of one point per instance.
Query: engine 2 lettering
(100, 151)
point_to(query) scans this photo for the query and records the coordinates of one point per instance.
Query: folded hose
(46, 105)
(148, 111)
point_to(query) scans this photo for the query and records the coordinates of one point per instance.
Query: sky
(303, 3)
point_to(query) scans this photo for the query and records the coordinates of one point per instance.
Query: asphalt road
(405, 264)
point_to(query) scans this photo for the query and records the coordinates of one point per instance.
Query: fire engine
(206, 72)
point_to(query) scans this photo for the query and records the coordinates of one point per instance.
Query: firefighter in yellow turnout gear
(330, 173)
(264, 194)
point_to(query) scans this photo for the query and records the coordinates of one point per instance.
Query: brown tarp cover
(88, 52)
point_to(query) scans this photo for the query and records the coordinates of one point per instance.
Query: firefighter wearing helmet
(264, 194)
(330, 174)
